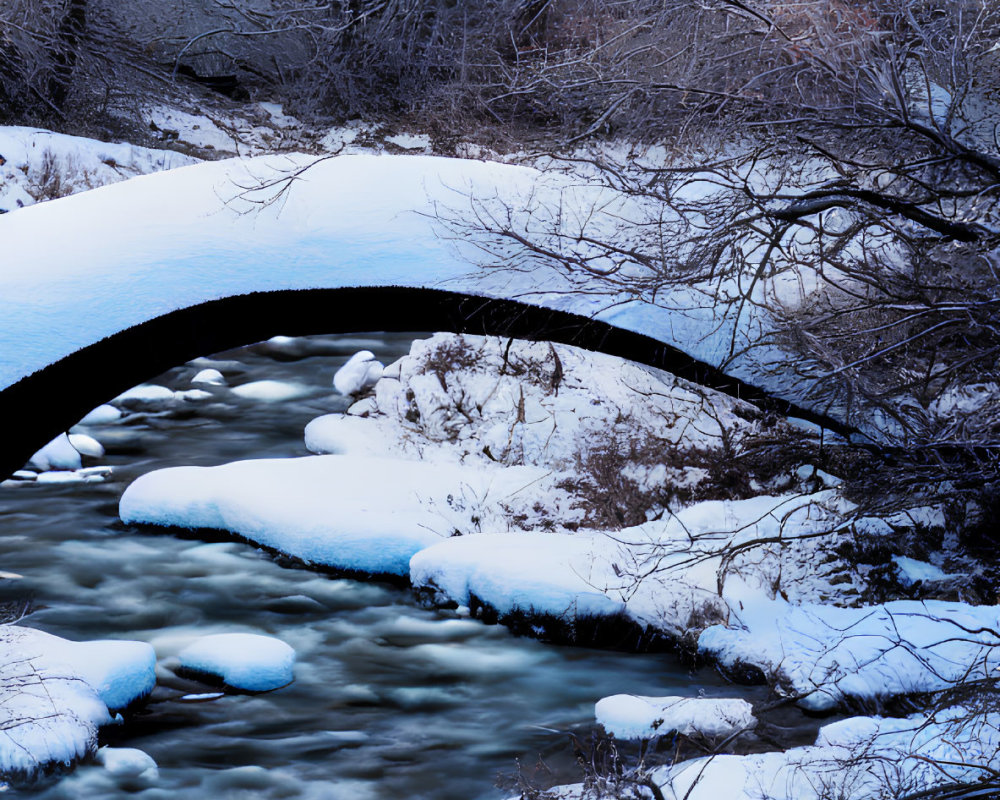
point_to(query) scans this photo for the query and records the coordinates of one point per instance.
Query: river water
(390, 699)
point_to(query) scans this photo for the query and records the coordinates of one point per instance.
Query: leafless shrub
(57, 177)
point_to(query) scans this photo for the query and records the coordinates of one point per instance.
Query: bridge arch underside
(48, 402)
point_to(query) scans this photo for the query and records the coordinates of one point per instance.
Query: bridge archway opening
(48, 402)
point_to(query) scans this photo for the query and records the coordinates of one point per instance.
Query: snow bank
(41, 164)
(485, 399)
(245, 661)
(119, 671)
(827, 654)
(361, 514)
(55, 694)
(629, 716)
(665, 573)
(854, 759)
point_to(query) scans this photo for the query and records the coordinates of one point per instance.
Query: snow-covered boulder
(127, 762)
(86, 445)
(360, 373)
(57, 454)
(346, 434)
(246, 661)
(54, 694)
(551, 574)
(102, 415)
(664, 573)
(145, 393)
(629, 716)
(270, 391)
(209, 376)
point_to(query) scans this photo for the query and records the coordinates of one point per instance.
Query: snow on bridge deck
(150, 262)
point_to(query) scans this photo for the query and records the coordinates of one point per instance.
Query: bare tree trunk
(65, 50)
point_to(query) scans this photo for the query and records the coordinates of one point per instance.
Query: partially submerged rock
(245, 661)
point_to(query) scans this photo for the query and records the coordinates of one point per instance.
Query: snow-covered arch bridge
(104, 289)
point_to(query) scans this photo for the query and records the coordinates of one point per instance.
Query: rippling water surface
(390, 700)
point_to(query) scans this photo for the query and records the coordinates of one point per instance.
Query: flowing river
(390, 699)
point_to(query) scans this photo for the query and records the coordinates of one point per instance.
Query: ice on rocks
(628, 716)
(85, 475)
(360, 373)
(246, 661)
(360, 514)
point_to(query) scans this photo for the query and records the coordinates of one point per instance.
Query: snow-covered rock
(270, 391)
(245, 661)
(629, 716)
(346, 434)
(102, 415)
(361, 514)
(86, 445)
(127, 762)
(911, 571)
(56, 693)
(57, 454)
(210, 376)
(145, 393)
(361, 372)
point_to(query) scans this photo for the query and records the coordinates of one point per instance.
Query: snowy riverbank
(548, 487)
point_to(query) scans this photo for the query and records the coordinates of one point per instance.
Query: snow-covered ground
(38, 165)
(859, 758)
